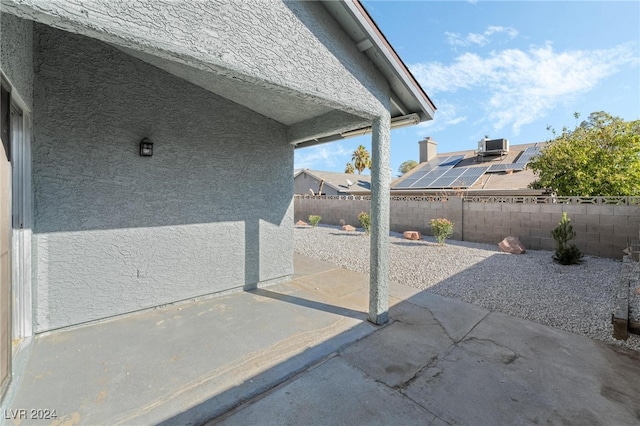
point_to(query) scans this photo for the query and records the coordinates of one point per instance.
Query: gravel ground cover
(576, 298)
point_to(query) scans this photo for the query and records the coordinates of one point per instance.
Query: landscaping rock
(301, 223)
(511, 245)
(412, 235)
(348, 228)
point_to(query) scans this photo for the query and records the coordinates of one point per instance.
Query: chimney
(427, 149)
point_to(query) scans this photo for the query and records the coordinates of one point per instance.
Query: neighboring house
(128, 129)
(499, 171)
(315, 182)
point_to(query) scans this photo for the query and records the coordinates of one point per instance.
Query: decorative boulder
(301, 223)
(348, 228)
(412, 235)
(511, 245)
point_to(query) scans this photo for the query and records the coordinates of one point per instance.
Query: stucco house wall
(275, 45)
(16, 54)
(220, 88)
(115, 232)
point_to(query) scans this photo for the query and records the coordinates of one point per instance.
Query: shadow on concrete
(303, 353)
(431, 359)
(308, 303)
(226, 401)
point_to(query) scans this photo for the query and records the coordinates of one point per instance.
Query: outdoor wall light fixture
(146, 148)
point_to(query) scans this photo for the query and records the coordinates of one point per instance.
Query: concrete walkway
(303, 353)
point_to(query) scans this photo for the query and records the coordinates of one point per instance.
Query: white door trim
(22, 217)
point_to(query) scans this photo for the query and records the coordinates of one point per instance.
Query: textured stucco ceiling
(281, 107)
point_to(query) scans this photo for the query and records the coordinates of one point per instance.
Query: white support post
(380, 201)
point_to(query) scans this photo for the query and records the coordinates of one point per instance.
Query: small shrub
(566, 254)
(365, 221)
(442, 229)
(314, 219)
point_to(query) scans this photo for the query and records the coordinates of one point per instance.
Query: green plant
(566, 254)
(365, 221)
(407, 165)
(314, 219)
(442, 229)
(601, 156)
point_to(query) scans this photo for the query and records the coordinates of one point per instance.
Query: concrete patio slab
(303, 353)
(512, 371)
(456, 317)
(399, 351)
(305, 266)
(320, 396)
(150, 367)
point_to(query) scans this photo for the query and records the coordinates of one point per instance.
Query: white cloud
(518, 87)
(322, 157)
(447, 115)
(511, 32)
(480, 39)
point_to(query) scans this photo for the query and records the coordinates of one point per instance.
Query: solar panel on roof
(526, 156)
(433, 174)
(451, 160)
(405, 183)
(447, 179)
(444, 182)
(453, 172)
(471, 176)
(442, 173)
(462, 178)
(431, 164)
(516, 167)
(425, 183)
(434, 170)
(420, 171)
(500, 167)
(523, 160)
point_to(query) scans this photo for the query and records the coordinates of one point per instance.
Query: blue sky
(503, 69)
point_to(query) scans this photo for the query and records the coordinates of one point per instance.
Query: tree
(361, 159)
(566, 254)
(601, 156)
(407, 165)
(349, 169)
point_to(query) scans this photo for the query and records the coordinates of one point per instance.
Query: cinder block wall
(410, 214)
(406, 214)
(331, 210)
(601, 230)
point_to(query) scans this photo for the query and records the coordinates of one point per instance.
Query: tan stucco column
(380, 183)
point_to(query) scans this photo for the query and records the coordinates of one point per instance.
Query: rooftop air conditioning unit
(493, 146)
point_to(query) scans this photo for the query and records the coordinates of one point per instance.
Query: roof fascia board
(362, 17)
(322, 126)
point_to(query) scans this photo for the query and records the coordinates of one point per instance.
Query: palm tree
(349, 169)
(361, 159)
